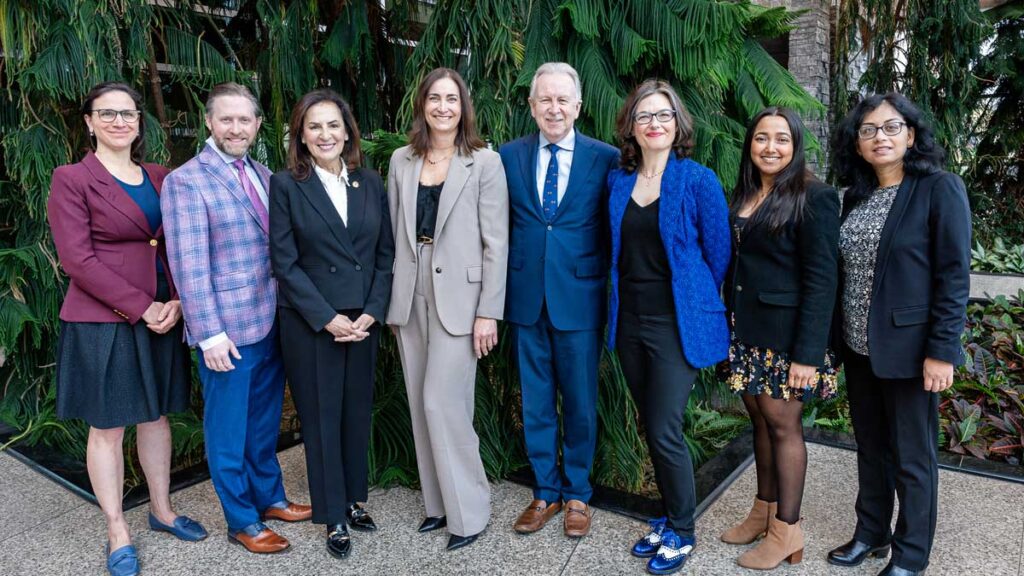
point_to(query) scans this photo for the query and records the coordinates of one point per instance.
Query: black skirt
(114, 374)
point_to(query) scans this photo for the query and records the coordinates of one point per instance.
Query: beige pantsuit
(439, 290)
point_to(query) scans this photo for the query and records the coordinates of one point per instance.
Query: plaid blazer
(219, 251)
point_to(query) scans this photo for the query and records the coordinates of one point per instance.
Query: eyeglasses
(129, 116)
(661, 115)
(868, 131)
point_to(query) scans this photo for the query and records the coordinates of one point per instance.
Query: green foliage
(1000, 258)
(982, 414)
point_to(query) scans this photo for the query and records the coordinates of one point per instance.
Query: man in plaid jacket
(216, 221)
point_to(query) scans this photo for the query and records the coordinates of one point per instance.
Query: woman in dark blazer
(121, 359)
(670, 252)
(780, 292)
(904, 249)
(332, 252)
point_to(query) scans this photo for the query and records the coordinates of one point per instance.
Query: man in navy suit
(556, 293)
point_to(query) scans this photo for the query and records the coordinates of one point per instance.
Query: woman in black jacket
(332, 252)
(904, 282)
(781, 292)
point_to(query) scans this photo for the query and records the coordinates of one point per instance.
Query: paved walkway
(45, 530)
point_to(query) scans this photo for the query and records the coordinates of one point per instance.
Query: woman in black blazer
(332, 253)
(904, 250)
(781, 292)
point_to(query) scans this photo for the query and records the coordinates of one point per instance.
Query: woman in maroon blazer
(121, 359)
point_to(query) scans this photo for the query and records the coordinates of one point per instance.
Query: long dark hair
(926, 156)
(300, 161)
(630, 154)
(466, 139)
(138, 152)
(788, 195)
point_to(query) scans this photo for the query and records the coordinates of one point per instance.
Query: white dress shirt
(566, 146)
(337, 189)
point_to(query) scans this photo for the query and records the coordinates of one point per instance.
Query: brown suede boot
(753, 526)
(783, 542)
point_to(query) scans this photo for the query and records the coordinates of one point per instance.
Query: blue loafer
(122, 562)
(672, 554)
(184, 528)
(647, 546)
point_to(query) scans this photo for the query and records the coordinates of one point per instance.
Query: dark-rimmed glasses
(662, 116)
(868, 131)
(107, 115)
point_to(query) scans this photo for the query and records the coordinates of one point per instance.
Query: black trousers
(896, 423)
(660, 380)
(332, 385)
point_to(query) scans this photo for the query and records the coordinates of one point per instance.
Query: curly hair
(630, 154)
(926, 156)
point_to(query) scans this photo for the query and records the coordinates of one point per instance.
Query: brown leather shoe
(577, 519)
(536, 516)
(266, 542)
(291, 513)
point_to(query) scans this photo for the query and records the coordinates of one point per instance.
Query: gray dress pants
(440, 379)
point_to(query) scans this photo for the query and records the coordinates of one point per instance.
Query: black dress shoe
(338, 543)
(894, 570)
(854, 552)
(359, 519)
(456, 542)
(432, 523)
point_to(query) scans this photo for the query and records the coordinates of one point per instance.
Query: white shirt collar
(327, 176)
(567, 143)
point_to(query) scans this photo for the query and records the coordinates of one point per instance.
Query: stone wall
(809, 47)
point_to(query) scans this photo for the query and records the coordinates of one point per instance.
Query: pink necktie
(251, 192)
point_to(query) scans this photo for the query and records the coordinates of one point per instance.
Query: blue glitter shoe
(673, 553)
(647, 546)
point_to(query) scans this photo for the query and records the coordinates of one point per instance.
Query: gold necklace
(436, 162)
(650, 177)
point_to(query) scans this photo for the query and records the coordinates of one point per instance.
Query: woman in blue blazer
(670, 252)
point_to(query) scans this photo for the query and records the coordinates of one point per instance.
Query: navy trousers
(242, 419)
(553, 362)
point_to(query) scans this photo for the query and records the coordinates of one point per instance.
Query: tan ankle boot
(783, 542)
(753, 526)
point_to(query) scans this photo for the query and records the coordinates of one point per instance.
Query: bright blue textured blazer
(694, 222)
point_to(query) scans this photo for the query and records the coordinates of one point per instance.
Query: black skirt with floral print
(754, 371)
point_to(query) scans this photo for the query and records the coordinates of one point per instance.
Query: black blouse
(427, 198)
(644, 272)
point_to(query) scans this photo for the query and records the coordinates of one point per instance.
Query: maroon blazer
(104, 243)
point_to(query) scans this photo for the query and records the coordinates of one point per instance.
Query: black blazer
(781, 287)
(922, 277)
(323, 266)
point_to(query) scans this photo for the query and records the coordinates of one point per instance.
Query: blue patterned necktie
(551, 184)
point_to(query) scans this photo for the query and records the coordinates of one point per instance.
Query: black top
(781, 285)
(427, 198)
(644, 274)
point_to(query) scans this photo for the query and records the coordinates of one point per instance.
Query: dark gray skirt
(114, 374)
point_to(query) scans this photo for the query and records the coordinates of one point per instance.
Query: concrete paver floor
(45, 530)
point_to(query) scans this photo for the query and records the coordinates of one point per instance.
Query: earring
(92, 134)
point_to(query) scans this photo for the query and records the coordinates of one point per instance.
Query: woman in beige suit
(449, 212)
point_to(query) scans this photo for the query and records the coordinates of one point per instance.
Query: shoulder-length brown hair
(138, 152)
(466, 139)
(300, 161)
(630, 154)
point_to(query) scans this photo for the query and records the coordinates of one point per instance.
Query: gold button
(152, 242)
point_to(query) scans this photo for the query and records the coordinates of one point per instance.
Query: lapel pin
(355, 184)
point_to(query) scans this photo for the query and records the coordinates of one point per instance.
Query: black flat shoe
(338, 543)
(432, 523)
(854, 552)
(359, 519)
(894, 570)
(456, 542)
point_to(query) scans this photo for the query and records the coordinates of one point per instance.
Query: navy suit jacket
(922, 278)
(563, 262)
(694, 223)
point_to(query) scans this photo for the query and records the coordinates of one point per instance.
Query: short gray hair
(556, 68)
(233, 89)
